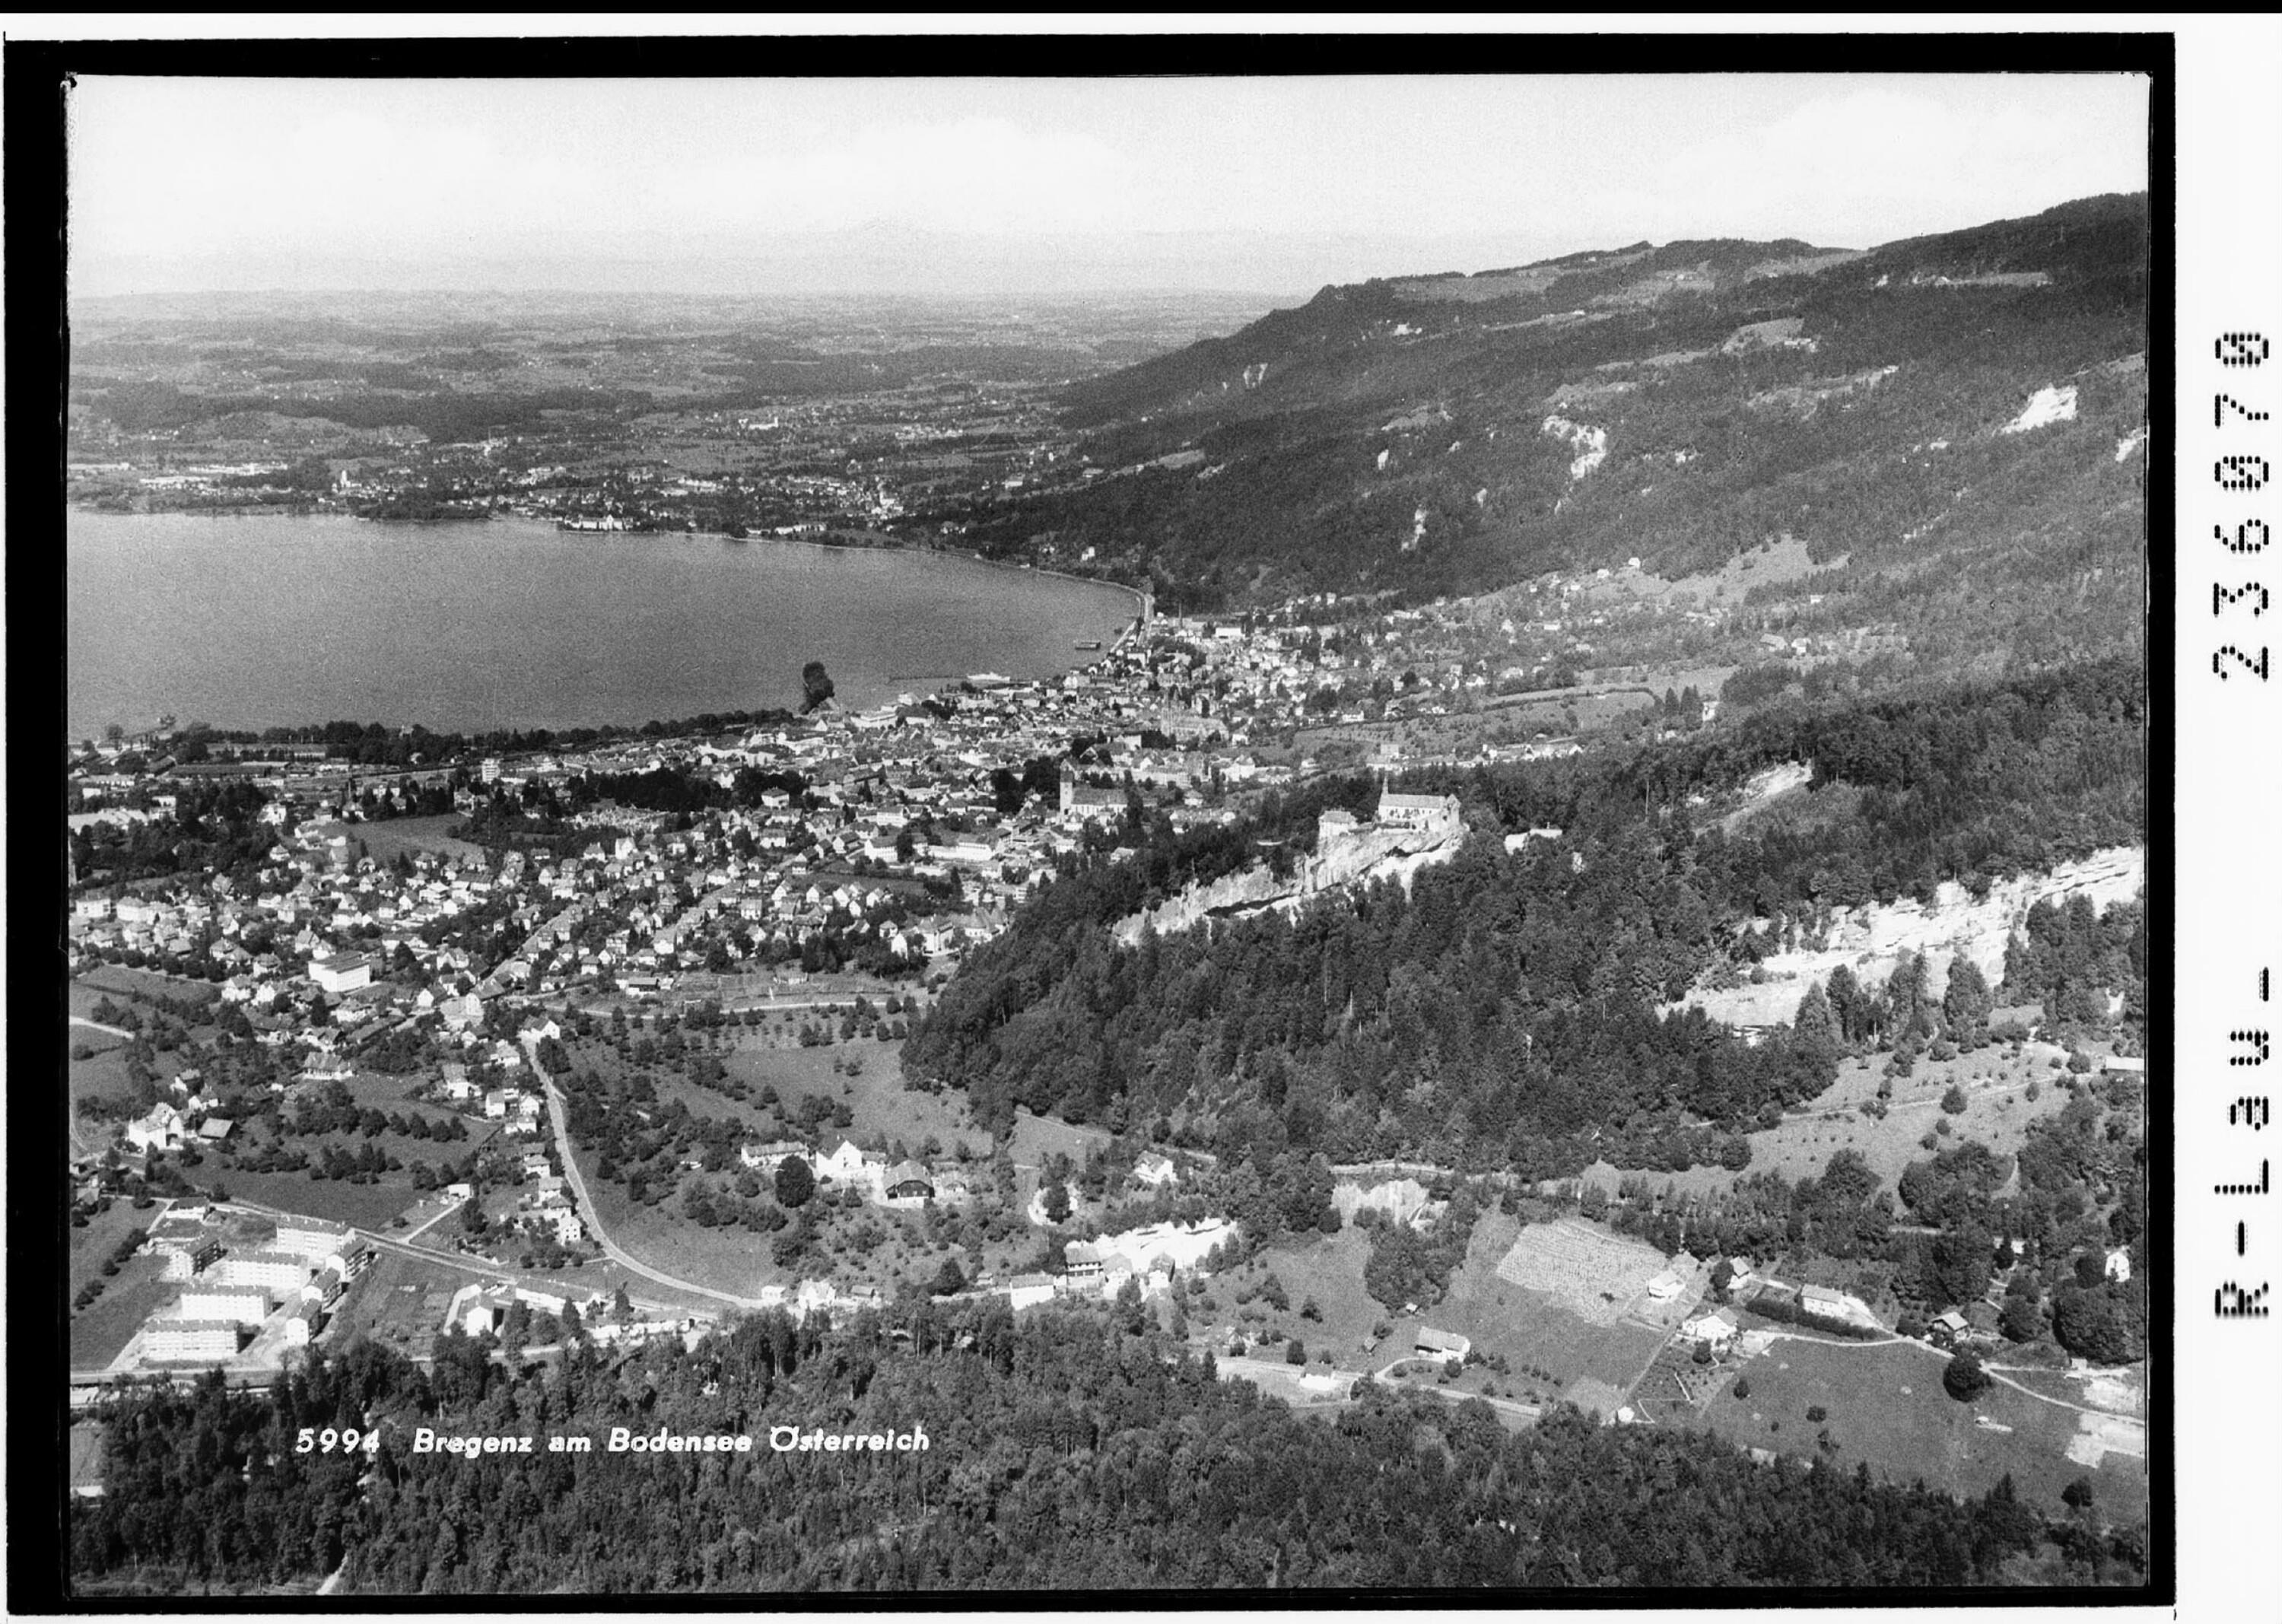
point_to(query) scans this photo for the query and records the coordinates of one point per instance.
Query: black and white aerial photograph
(1164, 831)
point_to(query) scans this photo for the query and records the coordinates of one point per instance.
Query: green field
(386, 839)
(1527, 1329)
(1920, 1432)
(877, 1098)
(363, 1205)
(1530, 1329)
(100, 1330)
(1036, 1137)
(90, 1246)
(119, 979)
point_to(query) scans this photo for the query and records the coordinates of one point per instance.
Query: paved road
(610, 1248)
(116, 1031)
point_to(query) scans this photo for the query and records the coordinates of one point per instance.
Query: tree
(1295, 1352)
(949, 1279)
(2077, 1495)
(1723, 1275)
(2022, 1319)
(1967, 1004)
(2091, 1324)
(1058, 1202)
(1963, 1377)
(795, 1183)
(816, 687)
(1815, 1027)
(1954, 1101)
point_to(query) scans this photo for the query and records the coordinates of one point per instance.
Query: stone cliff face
(1871, 940)
(1348, 860)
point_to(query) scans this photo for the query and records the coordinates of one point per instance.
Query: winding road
(611, 1249)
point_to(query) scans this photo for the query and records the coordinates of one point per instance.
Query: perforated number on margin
(2241, 349)
(2221, 597)
(2219, 660)
(2242, 473)
(2242, 543)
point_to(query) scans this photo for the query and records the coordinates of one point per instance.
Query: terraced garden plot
(1585, 1269)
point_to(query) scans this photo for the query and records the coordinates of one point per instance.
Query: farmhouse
(1081, 1261)
(161, 1128)
(909, 1181)
(1441, 1344)
(845, 1163)
(1154, 1170)
(1717, 1328)
(1665, 1287)
(1835, 1305)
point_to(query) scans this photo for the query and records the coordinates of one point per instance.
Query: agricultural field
(1552, 1350)
(102, 1329)
(399, 1302)
(1589, 1271)
(876, 1096)
(386, 839)
(1884, 1404)
(1548, 1349)
(1326, 1268)
(362, 1206)
(1036, 1137)
(89, 1247)
(119, 981)
(103, 1076)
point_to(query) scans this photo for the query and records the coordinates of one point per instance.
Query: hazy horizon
(974, 188)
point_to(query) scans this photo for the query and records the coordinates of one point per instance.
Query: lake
(267, 621)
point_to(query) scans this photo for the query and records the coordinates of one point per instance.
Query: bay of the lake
(267, 620)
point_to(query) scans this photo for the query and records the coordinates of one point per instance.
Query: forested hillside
(1073, 1451)
(1505, 1012)
(1679, 404)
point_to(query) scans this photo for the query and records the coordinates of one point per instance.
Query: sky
(975, 185)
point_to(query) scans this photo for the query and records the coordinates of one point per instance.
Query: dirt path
(1993, 1371)
(1511, 1406)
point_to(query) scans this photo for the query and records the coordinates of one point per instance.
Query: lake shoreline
(542, 618)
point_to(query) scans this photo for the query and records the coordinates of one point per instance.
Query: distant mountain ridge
(1435, 432)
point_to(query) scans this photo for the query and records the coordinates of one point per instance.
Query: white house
(339, 973)
(161, 1128)
(845, 1164)
(1154, 1170)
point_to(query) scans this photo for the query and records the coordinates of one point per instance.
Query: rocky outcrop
(1871, 940)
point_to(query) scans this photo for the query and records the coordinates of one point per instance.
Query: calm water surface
(264, 620)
